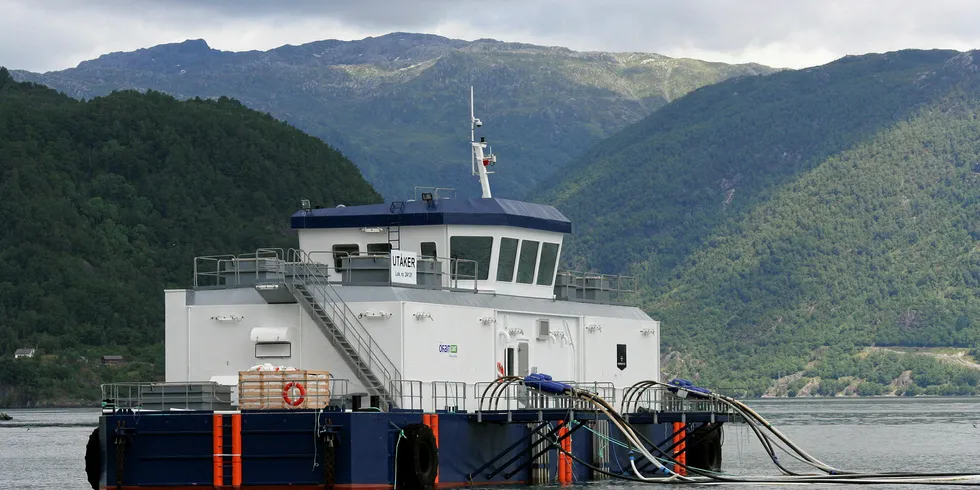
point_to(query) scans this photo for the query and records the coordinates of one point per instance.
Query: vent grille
(544, 329)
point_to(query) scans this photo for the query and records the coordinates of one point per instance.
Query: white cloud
(58, 34)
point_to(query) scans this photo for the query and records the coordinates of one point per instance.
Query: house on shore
(112, 359)
(24, 353)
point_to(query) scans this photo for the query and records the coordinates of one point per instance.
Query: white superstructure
(408, 300)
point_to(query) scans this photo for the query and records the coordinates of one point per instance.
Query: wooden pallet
(263, 390)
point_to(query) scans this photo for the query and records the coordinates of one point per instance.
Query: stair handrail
(375, 355)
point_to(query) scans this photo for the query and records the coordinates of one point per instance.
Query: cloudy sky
(43, 35)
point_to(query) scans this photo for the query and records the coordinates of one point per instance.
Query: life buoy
(418, 458)
(500, 369)
(302, 393)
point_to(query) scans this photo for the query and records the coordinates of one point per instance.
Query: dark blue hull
(323, 449)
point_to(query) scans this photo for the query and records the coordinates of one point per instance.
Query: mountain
(106, 202)
(810, 224)
(398, 104)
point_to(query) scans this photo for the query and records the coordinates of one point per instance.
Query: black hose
(502, 390)
(593, 467)
(816, 479)
(837, 476)
(766, 442)
(496, 385)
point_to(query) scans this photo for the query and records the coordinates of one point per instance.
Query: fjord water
(44, 449)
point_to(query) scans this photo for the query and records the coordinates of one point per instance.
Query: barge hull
(306, 449)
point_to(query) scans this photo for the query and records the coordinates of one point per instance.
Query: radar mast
(480, 160)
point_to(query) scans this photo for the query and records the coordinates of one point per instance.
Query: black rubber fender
(706, 454)
(418, 458)
(93, 460)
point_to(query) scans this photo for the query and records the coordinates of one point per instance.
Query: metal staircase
(340, 325)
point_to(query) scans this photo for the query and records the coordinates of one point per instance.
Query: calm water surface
(44, 449)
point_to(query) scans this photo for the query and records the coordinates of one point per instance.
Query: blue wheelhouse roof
(476, 211)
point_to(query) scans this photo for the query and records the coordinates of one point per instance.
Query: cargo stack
(280, 389)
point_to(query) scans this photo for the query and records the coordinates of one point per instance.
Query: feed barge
(425, 343)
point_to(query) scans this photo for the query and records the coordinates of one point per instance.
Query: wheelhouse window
(428, 249)
(379, 248)
(464, 250)
(529, 258)
(341, 253)
(507, 259)
(549, 260)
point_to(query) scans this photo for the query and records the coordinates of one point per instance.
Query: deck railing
(658, 398)
(162, 396)
(153, 396)
(373, 269)
(495, 396)
(594, 287)
(450, 396)
(266, 265)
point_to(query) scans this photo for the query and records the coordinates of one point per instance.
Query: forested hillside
(790, 226)
(106, 202)
(398, 105)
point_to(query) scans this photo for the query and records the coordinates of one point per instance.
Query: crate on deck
(266, 390)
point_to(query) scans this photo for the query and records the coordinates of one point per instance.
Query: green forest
(792, 225)
(106, 202)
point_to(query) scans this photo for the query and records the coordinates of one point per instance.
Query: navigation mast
(479, 162)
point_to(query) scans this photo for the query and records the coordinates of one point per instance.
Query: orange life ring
(500, 369)
(299, 400)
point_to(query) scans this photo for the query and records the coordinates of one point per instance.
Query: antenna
(472, 133)
(478, 161)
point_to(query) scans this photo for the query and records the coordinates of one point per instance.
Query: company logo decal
(451, 349)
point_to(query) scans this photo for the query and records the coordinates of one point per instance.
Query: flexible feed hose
(749, 415)
(752, 418)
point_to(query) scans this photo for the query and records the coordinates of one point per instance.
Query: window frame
(385, 245)
(533, 261)
(482, 272)
(554, 264)
(513, 258)
(435, 250)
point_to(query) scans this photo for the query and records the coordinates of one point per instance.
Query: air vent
(544, 329)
